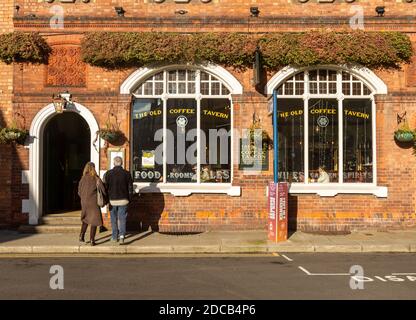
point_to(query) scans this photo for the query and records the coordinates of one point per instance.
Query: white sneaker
(121, 240)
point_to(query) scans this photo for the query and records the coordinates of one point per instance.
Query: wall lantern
(120, 11)
(254, 11)
(380, 11)
(61, 101)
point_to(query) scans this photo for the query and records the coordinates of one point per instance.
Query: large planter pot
(404, 136)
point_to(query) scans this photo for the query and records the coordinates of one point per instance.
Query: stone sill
(186, 189)
(332, 189)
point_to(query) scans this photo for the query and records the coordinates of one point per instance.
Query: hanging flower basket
(404, 136)
(13, 135)
(110, 135)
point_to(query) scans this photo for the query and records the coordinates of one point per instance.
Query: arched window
(326, 124)
(181, 128)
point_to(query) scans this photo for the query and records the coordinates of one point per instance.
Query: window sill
(331, 190)
(183, 190)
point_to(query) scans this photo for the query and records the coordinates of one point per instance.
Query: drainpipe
(275, 140)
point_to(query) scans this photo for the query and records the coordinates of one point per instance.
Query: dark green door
(66, 144)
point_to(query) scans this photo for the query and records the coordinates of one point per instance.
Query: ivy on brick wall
(23, 47)
(124, 49)
(375, 50)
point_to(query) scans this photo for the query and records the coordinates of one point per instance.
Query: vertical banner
(272, 212)
(278, 219)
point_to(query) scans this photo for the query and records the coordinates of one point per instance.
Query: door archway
(36, 153)
(66, 150)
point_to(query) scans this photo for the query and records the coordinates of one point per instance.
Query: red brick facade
(25, 89)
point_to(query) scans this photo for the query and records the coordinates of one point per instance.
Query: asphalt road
(293, 276)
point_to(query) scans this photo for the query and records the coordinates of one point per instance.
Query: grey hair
(118, 161)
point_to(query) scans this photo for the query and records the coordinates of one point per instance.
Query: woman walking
(91, 212)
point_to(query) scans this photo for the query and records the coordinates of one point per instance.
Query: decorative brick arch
(36, 153)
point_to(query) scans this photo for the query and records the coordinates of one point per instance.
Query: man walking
(120, 190)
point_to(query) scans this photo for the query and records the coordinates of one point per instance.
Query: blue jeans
(118, 221)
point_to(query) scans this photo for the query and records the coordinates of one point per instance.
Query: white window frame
(332, 189)
(188, 188)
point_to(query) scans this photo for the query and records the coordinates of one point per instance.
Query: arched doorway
(66, 150)
(36, 154)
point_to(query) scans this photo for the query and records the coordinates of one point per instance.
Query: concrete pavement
(218, 242)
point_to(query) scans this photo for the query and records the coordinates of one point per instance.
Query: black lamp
(380, 11)
(254, 11)
(120, 11)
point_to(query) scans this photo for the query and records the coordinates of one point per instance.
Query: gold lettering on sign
(65, 67)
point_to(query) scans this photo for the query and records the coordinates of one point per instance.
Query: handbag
(101, 197)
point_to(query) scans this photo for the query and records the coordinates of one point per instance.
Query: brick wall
(100, 93)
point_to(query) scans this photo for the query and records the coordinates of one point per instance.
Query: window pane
(313, 75)
(172, 87)
(356, 88)
(205, 88)
(313, 88)
(181, 75)
(291, 151)
(289, 88)
(215, 88)
(323, 88)
(204, 76)
(191, 87)
(332, 75)
(224, 90)
(158, 76)
(181, 154)
(181, 87)
(158, 88)
(215, 140)
(172, 75)
(299, 88)
(346, 88)
(358, 140)
(323, 140)
(148, 88)
(332, 87)
(147, 119)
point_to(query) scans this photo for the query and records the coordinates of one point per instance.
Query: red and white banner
(278, 204)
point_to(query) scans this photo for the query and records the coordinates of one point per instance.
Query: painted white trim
(332, 189)
(132, 81)
(364, 74)
(36, 153)
(186, 189)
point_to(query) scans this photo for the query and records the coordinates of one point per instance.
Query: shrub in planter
(13, 135)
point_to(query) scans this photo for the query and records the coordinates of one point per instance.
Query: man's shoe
(121, 242)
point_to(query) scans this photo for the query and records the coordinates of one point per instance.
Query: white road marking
(404, 274)
(287, 258)
(323, 274)
(380, 278)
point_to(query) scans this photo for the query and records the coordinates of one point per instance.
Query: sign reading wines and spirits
(253, 156)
